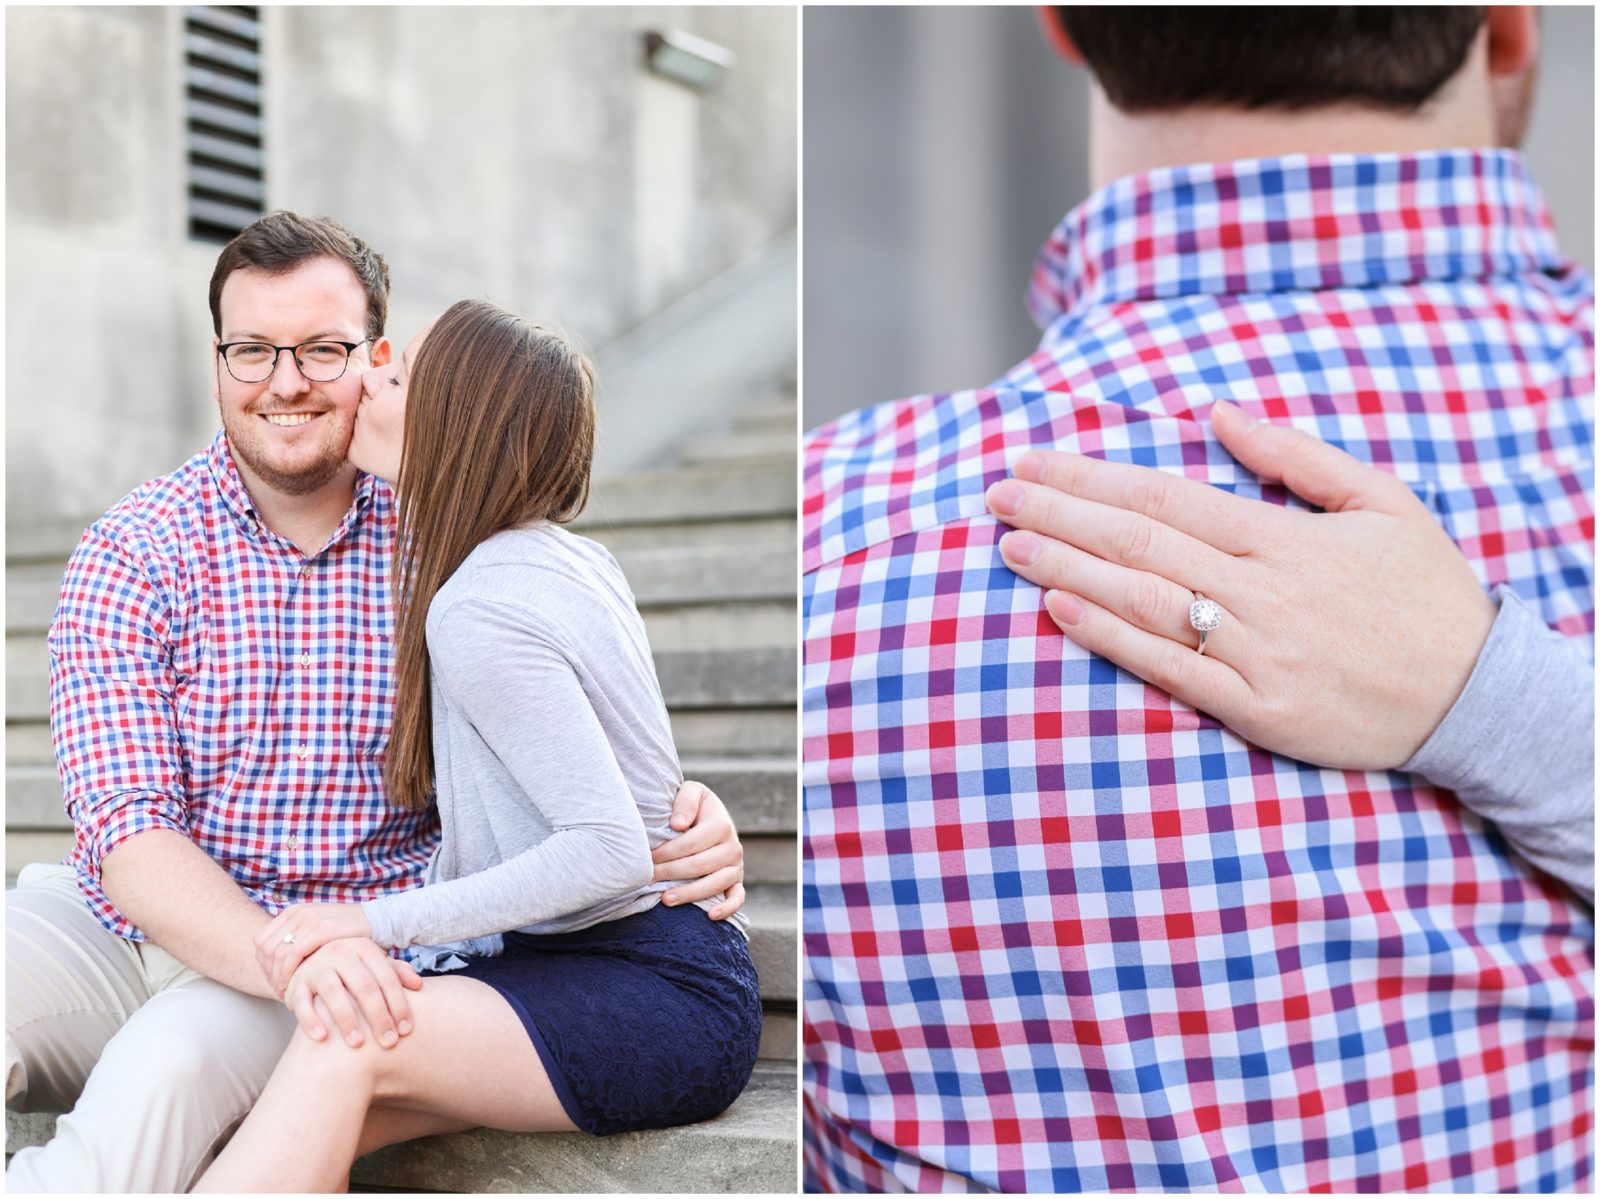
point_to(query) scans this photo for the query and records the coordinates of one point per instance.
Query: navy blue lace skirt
(645, 1022)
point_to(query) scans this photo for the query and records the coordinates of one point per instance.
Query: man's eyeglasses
(318, 361)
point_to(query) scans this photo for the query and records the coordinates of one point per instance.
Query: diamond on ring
(1205, 618)
(288, 938)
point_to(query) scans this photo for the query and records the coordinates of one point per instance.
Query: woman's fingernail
(1240, 414)
(389, 1038)
(405, 1027)
(1030, 467)
(1063, 607)
(319, 1032)
(670, 898)
(1005, 498)
(1022, 548)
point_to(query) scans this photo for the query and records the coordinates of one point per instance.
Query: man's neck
(1123, 144)
(306, 520)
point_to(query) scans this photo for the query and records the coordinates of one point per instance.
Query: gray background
(521, 155)
(942, 145)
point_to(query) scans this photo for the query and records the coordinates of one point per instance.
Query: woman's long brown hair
(499, 432)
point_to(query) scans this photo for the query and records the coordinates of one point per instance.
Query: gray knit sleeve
(1517, 747)
(530, 715)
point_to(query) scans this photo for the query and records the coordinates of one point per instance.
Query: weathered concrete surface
(688, 495)
(725, 678)
(750, 1148)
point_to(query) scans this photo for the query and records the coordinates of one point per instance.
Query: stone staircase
(709, 547)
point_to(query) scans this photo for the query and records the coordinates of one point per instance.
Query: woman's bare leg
(469, 1059)
(390, 1125)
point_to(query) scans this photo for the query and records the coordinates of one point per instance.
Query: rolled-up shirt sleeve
(113, 702)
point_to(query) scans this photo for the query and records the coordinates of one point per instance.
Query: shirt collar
(231, 487)
(1299, 222)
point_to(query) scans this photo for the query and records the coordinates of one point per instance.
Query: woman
(1357, 638)
(527, 706)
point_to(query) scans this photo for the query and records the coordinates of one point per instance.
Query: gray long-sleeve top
(1517, 747)
(554, 763)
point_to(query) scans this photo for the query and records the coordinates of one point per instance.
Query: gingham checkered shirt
(1063, 932)
(209, 678)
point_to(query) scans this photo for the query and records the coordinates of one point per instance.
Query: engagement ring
(288, 938)
(1205, 617)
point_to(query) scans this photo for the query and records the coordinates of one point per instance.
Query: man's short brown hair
(281, 241)
(1283, 56)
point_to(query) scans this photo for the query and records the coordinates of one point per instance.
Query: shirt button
(303, 751)
(292, 842)
(305, 659)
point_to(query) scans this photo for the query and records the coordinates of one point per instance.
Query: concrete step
(28, 743)
(780, 1037)
(749, 1148)
(708, 573)
(689, 494)
(32, 589)
(780, 415)
(755, 677)
(24, 847)
(760, 732)
(749, 676)
(759, 792)
(27, 677)
(46, 540)
(745, 623)
(772, 530)
(779, 448)
(774, 939)
(33, 797)
(769, 858)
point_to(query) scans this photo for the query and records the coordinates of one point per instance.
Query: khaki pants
(153, 1063)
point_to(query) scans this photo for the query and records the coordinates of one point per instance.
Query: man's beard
(317, 474)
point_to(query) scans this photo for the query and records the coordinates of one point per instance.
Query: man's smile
(289, 420)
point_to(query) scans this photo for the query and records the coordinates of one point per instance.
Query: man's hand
(358, 985)
(708, 855)
(299, 931)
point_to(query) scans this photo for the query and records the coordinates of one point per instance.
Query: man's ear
(382, 351)
(1513, 37)
(1055, 32)
(216, 372)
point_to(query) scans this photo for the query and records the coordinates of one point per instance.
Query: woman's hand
(1346, 636)
(354, 984)
(708, 855)
(299, 931)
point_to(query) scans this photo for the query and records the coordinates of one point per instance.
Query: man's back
(1065, 933)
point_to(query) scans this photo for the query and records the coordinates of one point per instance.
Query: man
(1064, 933)
(220, 704)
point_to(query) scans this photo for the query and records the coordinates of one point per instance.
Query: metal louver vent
(222, 109)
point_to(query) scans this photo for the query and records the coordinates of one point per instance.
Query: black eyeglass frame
(349, 348)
